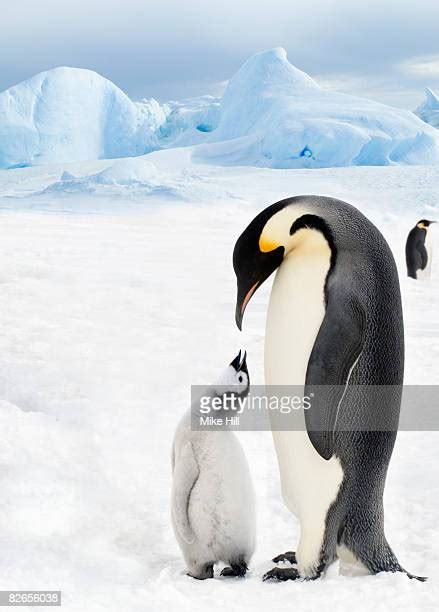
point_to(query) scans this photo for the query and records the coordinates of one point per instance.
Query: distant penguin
(213, 500)
(417, 254)
(334, 324)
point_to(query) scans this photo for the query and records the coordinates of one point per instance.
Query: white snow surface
(428, 111)
(111, 307)
(271, 115)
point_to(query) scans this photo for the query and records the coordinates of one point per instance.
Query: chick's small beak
(235, 363)
(241, 303)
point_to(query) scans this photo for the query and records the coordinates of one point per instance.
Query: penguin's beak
(251, 272)
(235, 363)
(244, 296)
(243, 364)
(254, 260)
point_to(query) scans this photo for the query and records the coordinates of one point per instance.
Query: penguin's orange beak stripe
(250, 292)
(265, 245)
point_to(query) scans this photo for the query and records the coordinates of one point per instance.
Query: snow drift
(271, 114)
(133, 178)
(428, 111)
(70, 114)
(122, 175)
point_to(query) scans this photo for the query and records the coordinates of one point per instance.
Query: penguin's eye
(240, 378)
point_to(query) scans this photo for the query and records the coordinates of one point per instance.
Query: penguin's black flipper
(336, 350)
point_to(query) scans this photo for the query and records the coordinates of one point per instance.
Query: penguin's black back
(364, 313)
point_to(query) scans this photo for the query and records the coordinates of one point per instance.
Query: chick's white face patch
(233, 380)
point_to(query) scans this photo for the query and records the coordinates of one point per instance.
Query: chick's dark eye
(240, 378)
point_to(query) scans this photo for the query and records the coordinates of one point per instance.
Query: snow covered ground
(116, 294)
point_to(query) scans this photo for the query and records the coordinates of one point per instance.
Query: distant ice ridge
(71, 114)
(428, 111)
(271, 115)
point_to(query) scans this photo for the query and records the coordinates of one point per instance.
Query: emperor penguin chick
(213, 500)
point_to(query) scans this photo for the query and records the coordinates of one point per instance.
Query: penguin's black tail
(383, 559)
(413, 577)
(389, 563)
(366, 540)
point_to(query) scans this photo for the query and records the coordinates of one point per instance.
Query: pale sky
(387, 50)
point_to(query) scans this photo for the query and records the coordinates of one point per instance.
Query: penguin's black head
(240, 367)
(272, 235)
(424, 223)
(254, 260)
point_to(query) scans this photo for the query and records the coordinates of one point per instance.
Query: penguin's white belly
(424, 274)
(296, 310)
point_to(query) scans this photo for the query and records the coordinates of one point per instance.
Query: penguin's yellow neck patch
(421, 226)
(266, 245)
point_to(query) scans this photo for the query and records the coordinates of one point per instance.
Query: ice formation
(428, 111)
(71, 114)
(271, 114)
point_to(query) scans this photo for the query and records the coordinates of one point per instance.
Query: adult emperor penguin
(416, 253)
(335, 319)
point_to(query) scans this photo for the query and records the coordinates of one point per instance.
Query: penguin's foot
(237, 569)
(289, 556)
(281, 573)
(206, 571)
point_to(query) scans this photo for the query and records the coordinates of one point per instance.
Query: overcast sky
(387, 50)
